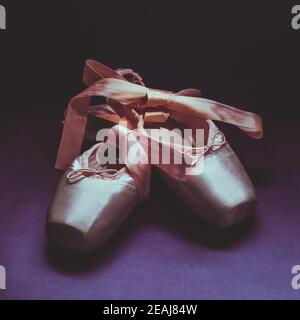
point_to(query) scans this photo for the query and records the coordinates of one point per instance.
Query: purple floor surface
(162, 251)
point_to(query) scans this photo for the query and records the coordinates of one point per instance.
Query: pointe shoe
(222, 193)
(92, 200)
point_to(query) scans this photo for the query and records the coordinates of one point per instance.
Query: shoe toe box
(82, 216)
(222, 194)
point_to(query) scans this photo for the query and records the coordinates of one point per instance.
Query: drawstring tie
(77, 175)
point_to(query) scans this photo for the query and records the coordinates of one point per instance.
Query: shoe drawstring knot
(77, 175)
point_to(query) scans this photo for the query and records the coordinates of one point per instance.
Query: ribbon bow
(77, 175)
(105, 82)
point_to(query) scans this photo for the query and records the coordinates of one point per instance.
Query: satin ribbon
(124, 94)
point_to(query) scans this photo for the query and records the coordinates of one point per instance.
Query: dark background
(243, 53)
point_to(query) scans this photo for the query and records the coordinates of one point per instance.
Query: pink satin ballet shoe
(92, 200)
(217, 189)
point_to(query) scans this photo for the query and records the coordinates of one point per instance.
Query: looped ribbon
(105, 82)
(77, 175)
(219, 141)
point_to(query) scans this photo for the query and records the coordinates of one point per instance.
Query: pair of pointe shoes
(93, 200)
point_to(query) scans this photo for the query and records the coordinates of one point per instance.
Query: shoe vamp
(222, 186)
(92, 201)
